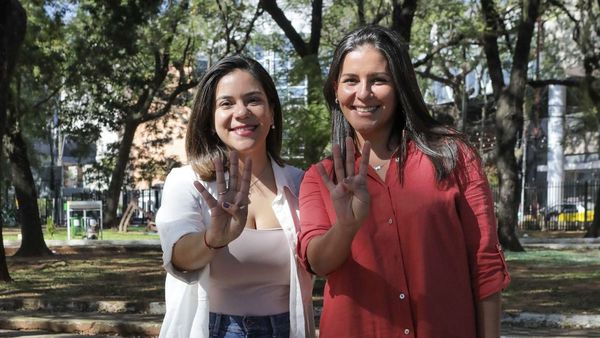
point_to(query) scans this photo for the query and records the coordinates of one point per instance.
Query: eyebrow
(371, 75)
(255, 92)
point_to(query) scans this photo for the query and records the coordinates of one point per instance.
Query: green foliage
(556, 258)
(50, 227)
(151, 162)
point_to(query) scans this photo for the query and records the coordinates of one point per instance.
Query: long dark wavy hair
(202, 144)
(412, 120)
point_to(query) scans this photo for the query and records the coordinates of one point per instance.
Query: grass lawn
(549, 281)
(545, 281)
(133, 233)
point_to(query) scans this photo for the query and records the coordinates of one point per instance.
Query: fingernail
(347, 180)
(225, 205)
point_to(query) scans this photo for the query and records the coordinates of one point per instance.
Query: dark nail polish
(225, 205)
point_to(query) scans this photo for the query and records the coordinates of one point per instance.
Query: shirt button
(390, 221)
(402, 296)
(406, 331)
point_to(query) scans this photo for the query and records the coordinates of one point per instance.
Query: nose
(364, 90)
(241, 111)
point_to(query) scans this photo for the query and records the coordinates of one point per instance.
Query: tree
(586, 34)
(135, 61)
(509, 113)
(32, 243)
(12, 31)
(311, 120)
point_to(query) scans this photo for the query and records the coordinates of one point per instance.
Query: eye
(381, 80)
(350, 80)
(225, 104)
(254, 100)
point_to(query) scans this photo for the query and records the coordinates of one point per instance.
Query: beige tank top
(251, 276)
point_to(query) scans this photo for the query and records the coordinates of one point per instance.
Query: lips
(245, 130)
(366, 110)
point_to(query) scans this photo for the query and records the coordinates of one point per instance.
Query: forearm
(329, 251)
(190, 253)
(488, 316)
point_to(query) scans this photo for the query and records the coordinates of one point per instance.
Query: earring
(273, 126)
(336, 101)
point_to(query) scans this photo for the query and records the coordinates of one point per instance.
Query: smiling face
(365, 91)
(243, 115)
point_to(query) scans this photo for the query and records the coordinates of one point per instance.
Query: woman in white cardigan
(228, 220)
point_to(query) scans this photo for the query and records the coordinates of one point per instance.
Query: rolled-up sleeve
(180, 213)
(489, 272)
(314, 220)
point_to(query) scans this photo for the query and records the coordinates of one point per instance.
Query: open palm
(349, 195)
(229, 211)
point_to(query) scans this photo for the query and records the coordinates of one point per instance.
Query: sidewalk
(143, 319)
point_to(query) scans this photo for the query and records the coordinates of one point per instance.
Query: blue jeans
(228, 326)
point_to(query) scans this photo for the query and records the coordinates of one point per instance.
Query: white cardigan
(184, 211)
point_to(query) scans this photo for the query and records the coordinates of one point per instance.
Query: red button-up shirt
(425, 255)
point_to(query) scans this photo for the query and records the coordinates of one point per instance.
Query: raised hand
(228, 213)
(350, 196)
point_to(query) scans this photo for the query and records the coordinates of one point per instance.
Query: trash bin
(76, 226)
(92, 229)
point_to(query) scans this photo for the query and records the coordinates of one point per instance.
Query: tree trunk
(118, 174)
(402, 18)
(314, 144)
(14, 22)
(4, 10)
(509, 115)
(309, 53)
(508, 122)
(32, 243)
(594, 229)
(592, 86)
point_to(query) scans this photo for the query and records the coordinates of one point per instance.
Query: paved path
(518, 332)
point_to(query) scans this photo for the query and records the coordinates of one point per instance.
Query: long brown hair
(202, 144)
(412, 119)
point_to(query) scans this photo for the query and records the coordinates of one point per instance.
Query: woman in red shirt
(404, 230)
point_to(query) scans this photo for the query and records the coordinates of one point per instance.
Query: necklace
(252, 184)
(380, 166)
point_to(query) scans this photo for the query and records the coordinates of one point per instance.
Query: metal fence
(557, 207)
(564, 207)
(147, 202)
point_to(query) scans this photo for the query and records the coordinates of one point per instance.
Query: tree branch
(380, 13)
(547, 82)
(284, 23)
(564, 9)
(446, 81)
(55, 91)
(225, 19)
(316, 25)
(402, 18)
(169, 102)
(455, 40)
(257, 14)
(490, 45)
(520, 60)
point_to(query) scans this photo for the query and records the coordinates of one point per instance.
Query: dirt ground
(120, 274)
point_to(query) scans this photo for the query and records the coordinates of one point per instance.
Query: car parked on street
(567, 216)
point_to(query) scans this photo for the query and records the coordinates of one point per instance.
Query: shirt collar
(282, 179)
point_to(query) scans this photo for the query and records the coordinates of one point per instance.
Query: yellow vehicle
(579, 215)
(566, 216)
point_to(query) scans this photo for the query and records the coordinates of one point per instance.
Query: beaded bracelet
(210, 246)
